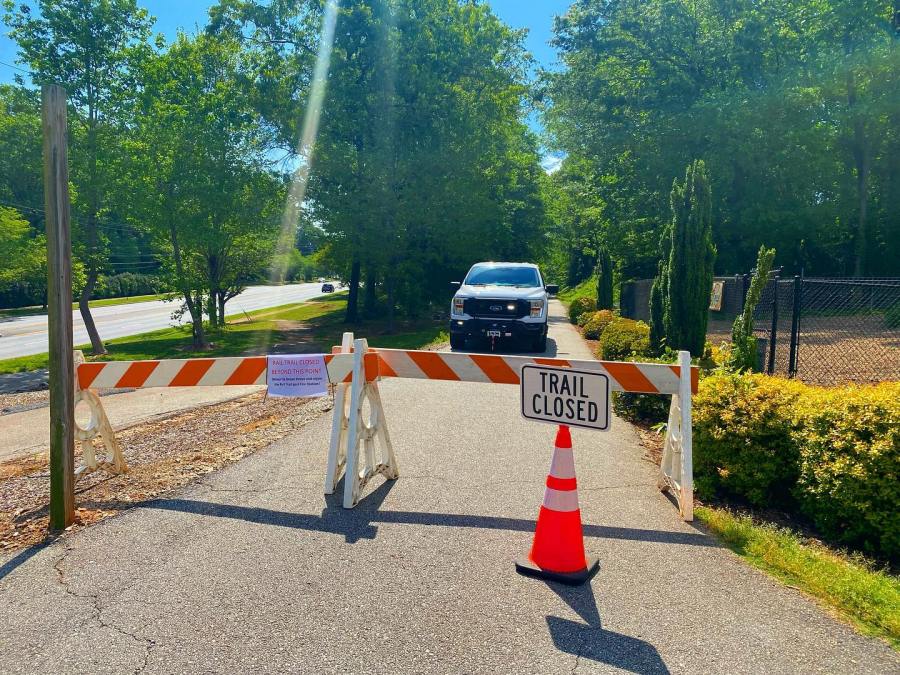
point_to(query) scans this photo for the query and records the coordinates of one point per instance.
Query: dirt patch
(162, 455)
(292, 325)
(653, 443)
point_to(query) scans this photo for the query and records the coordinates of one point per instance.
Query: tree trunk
(370, 299)
(194, 308)
(93, 234)
(212, 307)
(85, 309)
(860, 153)
(862, 187)
(222, 300)
(353, 294)
(390, 303)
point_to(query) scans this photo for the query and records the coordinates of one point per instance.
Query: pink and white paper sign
(297, 375)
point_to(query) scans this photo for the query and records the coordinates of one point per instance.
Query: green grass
(322, 322)
(586, 289)
(848, 585)
(107, 302)
(22, 364)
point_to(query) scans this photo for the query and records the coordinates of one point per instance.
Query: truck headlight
(537, 308)
(458, 304)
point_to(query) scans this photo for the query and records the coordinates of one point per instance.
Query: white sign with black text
(576, 398)
(297, 375)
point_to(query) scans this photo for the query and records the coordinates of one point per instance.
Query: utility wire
(15, 67)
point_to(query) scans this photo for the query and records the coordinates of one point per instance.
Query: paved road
(26, 335)
(253, 570)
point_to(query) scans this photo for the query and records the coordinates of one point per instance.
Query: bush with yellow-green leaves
(581, 306)
(624, 340)
(596, 323)
(743, 441)
(834, 454)
(849, 482)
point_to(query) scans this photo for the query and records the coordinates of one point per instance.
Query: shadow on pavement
(589, 640)
(359, 523)
(24, 556)
(593, 642)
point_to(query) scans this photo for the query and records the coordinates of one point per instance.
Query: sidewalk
(28, 432)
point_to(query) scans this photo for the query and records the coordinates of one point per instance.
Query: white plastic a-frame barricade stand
(362, 431)
(337, 450)
(676, 468)
(98, 425)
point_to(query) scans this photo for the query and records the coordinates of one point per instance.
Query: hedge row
(832, 454)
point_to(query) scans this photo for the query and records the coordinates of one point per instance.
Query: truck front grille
(498, 309)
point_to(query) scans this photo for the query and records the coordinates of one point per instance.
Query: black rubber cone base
(529, 569)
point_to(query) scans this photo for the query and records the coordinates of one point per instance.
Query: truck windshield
(523, 277)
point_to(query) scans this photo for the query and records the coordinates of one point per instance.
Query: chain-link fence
(830, 331)
(821, 331)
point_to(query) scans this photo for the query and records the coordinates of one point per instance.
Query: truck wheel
(457, 341)
(540, 343)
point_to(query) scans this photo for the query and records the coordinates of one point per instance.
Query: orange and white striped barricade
(337, 450)
(677, 381)
(202, 372)
(676, 470)
(353, 428)
(98, 425)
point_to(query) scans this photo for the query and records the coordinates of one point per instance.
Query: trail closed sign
(577, 398)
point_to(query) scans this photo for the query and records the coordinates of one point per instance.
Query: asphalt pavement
(27, 335)
(252, 569)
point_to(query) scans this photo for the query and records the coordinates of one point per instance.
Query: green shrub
(743, 340)
(744, 444)
(584, 318)
(643, 408)
(849, 474)
(596, 323)
(624, 339)
(127, 284)
(579, 306)
(892, 317)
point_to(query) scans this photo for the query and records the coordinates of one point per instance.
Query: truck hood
(501, 292)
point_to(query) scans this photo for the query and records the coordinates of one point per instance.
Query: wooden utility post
(59, 307)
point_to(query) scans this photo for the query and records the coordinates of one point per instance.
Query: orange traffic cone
(558, 549)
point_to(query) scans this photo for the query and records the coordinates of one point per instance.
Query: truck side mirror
(454, 285)
(552, 289)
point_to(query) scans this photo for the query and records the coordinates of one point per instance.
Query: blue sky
(535, 15)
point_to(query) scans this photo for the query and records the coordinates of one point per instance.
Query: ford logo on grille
(496, 308)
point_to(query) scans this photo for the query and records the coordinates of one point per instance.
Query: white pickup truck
(501, 301)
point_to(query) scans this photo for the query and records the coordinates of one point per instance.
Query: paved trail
(253, 570)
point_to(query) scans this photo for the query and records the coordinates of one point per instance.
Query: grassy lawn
(313, 325)
(29, 311)
(849, 586)
(586, 289)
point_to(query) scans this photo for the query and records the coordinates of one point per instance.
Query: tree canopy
(792, 105)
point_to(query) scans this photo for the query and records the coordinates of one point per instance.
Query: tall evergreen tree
(679, 300)
(657, 324)
(604, 279)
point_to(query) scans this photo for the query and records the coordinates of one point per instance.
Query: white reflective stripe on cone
(561, 500)
(563, 464)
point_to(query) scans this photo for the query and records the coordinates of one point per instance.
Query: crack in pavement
(97, 605)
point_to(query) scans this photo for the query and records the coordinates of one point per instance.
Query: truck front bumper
(508, 328)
